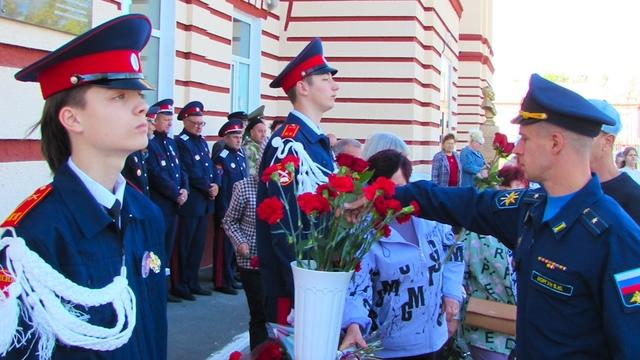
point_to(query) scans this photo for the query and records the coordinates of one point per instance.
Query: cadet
(88, 224)
(576, 251)
(309, 84)
(194, 213)
(231, 165)
(169, 183)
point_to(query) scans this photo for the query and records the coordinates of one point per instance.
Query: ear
(70, 119)
(608, 142)
(558, 142)
(302, 87)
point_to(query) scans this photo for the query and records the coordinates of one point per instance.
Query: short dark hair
(449, 136)
(292, 95)
(626, 152)
(55, 144)
(275, 124)
(385, 163)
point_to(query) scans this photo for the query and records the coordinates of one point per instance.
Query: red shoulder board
(28, 204)
(290, 131)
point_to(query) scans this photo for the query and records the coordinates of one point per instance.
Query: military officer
(169, 183)
(576, 251)
(219, 145)
(231, 165)
(193, 215)
(308, 82)
(88, 225)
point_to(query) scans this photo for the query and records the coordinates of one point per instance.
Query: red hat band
(299, 72)
(192, 110)
(151, 116)
(233, 129)
(116, 64)
(165, 108)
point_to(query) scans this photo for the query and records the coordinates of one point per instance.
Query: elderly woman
(383, 141)
(445, 168)
(471, 159)
(405, 280)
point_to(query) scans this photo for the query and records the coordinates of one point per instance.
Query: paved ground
(200, 329)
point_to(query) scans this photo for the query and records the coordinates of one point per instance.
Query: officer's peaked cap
(165, 106)
(194, 108)
(231, 127)
(310, 61)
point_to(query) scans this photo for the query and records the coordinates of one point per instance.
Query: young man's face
(194, 124)
(322, 91)
(233, 141)
(163, 123)
(113, 120)
(533, 151)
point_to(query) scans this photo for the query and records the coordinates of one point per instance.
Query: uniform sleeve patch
(224, 153)
(628, 284)
(184, 137)
(508, 199)
(29, 203)
(290, 131)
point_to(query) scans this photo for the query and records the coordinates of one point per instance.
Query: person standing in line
(615, 183)
(135, 166)
(471, 159)
(630, 163)
(193, 215)
(231, 166)
(88, 224)
(309, 84)
(445, 167)
(254, 137)
(168, 182)
(352, 147)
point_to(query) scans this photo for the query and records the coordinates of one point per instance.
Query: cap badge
(530, 115)
(135, 63)
(74, 79)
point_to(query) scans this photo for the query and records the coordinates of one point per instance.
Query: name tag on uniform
(555, 286)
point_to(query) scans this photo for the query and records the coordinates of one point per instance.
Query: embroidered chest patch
(551, 284)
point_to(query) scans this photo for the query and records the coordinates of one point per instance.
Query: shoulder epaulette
(223, 154)
(534, 196)
(29, 203)
(508, 199)
(184, 137)
(290, 131)
(593, 222)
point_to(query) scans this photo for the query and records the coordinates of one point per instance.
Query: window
(446, 120)
(157, 57)
(245, 64)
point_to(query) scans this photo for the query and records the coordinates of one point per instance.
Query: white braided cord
(310, 174)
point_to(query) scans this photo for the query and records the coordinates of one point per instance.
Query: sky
(595, 44)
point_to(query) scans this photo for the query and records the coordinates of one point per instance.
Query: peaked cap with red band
(152, 112)
(164, 106)
(194, 108)
(233, 126)
(309, 62)
(107, 55)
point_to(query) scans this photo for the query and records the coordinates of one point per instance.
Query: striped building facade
(411, 67)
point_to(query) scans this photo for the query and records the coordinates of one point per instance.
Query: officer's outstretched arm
(484, 212)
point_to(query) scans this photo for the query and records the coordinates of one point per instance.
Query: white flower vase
(319, 302)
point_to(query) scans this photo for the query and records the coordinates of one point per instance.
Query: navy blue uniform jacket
(135, 170)
(196, 162)
(73, 233)
(231, 166)
(166, 177)
(274, 251)
(569, 302)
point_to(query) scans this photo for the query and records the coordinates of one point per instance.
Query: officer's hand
(451, 308)
(353, 338)
(213, 190)
(353, 210)
(182, 198)
(243, 249)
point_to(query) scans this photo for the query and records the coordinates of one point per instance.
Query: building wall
(389, 54)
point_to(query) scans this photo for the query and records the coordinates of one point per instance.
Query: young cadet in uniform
(169, 183)
(231, 165)
(88, 224)
(309, 84)
(194, 213)
(576, 251)
(615, 183)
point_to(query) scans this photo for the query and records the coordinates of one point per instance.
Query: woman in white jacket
(407, 287)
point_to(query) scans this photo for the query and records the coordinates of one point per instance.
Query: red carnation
(236, 355)
(416, 208)
(393, 204)
(290, 159)
(254, 262)
(401, 219)
(269, 351)
(387, 186)
(266, 174)
(310, 203)
(359, 165)
(270, 210)
(381, 206)
(386, 230)
(331, 194)
(344, 159)
(357, 268)
(341, 183)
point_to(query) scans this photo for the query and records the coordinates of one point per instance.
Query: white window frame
(447, 123)
(253, 62)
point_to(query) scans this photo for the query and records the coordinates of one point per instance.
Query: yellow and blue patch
(508, 199)
(628, 284)
(553, 285)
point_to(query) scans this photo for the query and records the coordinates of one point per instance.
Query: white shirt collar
(103, 196)
(307, 121)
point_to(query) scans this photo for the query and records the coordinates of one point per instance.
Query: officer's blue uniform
(166, 177)
(65, 224)
(74, 234)
(274, 251)
(577, 271)
(231, 166)
(196, 162)
(136, 172)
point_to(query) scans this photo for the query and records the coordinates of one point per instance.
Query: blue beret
(194, 108)
(552, 103)
(165, 106)
(608, 109)
(231, 127)
(107, 55)
(310, 61)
